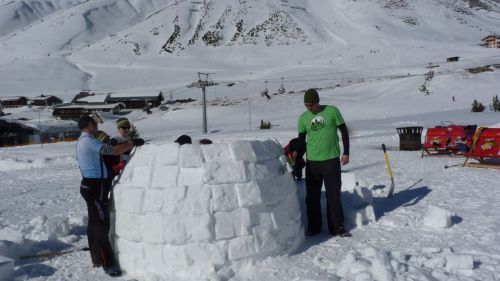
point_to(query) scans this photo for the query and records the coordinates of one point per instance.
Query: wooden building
(76, 111)
(136, 100)
(491, 41)
(13, 102)
(43, 100)
(450, 59)
(12, 133)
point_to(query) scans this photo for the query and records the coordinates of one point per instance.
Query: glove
(138, 142)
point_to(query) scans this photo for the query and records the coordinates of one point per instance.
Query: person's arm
(118, 149)
(345, 141)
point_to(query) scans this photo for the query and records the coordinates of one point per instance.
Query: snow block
(190, 156)
(141, 176)
(167, 154)
(153, 228)
(154, 254)
(265, 170)
(207, 253)
(176, 256)
(131, 199)
(217, 152)
(273, 189)
(241, 247)
(225, 172)
(129, 226)
(6, 268)
(231, 224)
(223, 198)
(242, 151)
(248, 194)
(145, 154)
(437, 217)
(197, 200)
(175, 232)
(191, 176)
(348, 181)
(173, 199)
(164, 176)
(153, 200)
(459, 262)
(132, 249)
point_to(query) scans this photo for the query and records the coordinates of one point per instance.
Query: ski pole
(456, 165)
(391, 189)
(52, 254)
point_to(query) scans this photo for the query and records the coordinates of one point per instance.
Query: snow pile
(6, 268)
(437, 217)
(194, 211)
(367, 264)
(11, 164)
(357, 202)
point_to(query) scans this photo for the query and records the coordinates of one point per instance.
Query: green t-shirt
(321, 129)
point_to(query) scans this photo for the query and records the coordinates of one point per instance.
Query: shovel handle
(383, 148)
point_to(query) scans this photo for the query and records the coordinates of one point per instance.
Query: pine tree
(477, 106)
(495, 105)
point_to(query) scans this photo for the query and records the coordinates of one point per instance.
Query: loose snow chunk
(216, 152)
(242, 150)
(225, 172)
(248, 194)
(459, 262)
(131, 199)
(191, 176)
(224, 198)
(168, 154)
(153, 228)
(190, 156)
(165, 176)
(6, 268)
(129, 226)
(230, 224)
(241, 247)
(437, 217)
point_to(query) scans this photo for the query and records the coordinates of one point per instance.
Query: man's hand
(344, 159)
(294, 155)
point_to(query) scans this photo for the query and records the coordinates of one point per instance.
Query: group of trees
(479, 107)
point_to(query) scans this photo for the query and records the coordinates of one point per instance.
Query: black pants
(96, 192)
(328, 172)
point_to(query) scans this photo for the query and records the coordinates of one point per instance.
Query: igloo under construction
(191, 212)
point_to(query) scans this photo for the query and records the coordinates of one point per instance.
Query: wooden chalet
(76, 111)
(13, 102)
(12, 133)
(44, 100)
(136, 100)
(450, 59)
(491, 41)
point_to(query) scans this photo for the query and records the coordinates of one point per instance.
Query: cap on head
(122, 123)
(311, 96)
(102, 136)
(184, 139)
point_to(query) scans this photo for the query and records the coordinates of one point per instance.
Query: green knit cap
(122, 122)
(102, 136)
(311, 96)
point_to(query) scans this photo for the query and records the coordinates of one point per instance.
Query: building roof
(96, 98)
(43, 98)
(491, 36)
(91, 106)
(13, 98)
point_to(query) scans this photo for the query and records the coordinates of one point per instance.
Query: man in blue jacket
(95, 189)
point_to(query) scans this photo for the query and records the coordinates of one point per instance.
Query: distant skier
(95, 188)
(319, 124)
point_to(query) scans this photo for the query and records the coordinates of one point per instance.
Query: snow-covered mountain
(67, 45)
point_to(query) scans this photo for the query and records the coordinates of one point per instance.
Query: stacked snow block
(357, 202)
(189, 212)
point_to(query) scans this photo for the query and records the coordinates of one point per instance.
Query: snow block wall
(192, 211)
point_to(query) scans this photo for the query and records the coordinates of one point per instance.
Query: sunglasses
(125, 128)
(309, 104)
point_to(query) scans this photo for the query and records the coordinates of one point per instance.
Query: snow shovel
(391, 189)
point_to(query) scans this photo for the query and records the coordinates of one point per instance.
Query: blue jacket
(88, 155)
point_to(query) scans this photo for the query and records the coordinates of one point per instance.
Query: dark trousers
(328, 172)
(96, 192)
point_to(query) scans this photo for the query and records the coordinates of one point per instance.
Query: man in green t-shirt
(320, 123)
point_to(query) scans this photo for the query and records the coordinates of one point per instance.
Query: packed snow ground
(41, 209)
